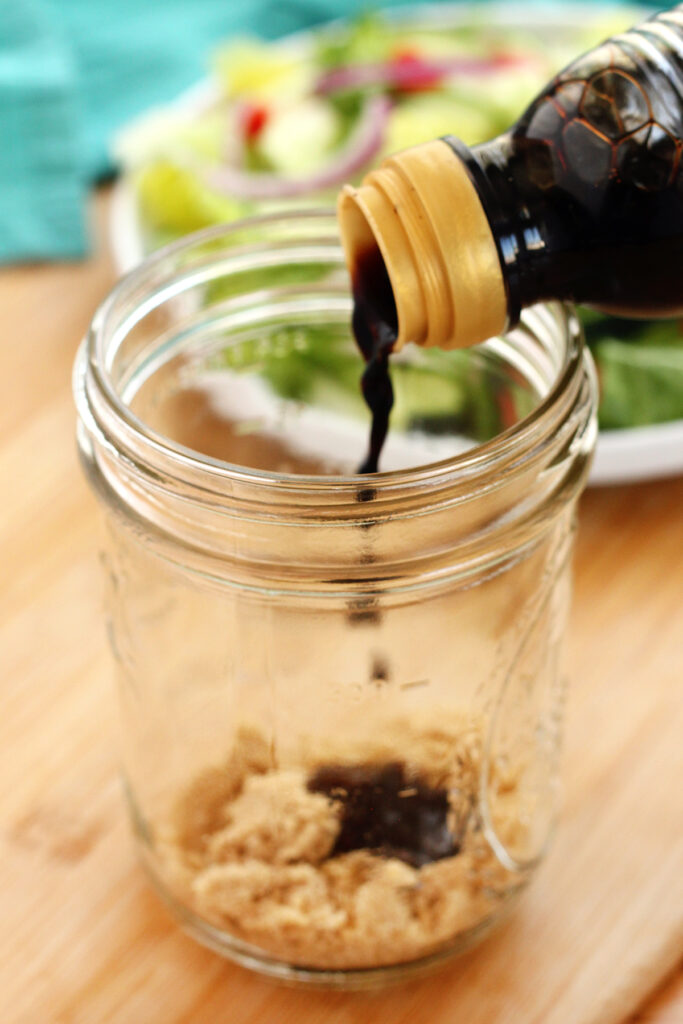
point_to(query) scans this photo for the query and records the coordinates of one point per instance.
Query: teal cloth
(73, 71)
(42, 175)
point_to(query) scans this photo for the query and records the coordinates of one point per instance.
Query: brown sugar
(373, 855)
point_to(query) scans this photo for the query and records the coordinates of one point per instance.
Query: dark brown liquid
(388, 812)
(375, 326)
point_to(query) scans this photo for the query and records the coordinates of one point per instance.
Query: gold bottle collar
(421, 209)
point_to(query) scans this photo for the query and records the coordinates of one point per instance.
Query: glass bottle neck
(518, 222)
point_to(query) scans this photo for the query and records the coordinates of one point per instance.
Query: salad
(287, 123)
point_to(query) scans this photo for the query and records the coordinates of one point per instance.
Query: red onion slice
(363, 144)
(398, 74)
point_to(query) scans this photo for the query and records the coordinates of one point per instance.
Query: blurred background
(209, 111)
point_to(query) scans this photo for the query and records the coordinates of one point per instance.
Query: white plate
(622, 456)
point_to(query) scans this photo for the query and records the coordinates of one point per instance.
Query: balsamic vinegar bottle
(582, 199)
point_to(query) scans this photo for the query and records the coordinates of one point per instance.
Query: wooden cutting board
(84, 939)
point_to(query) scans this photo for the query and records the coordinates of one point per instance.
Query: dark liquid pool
(387, 811)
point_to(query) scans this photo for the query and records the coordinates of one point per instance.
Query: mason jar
(341, 695)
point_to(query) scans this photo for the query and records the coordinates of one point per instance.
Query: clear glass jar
(341, 697)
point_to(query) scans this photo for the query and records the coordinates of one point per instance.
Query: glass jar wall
(341, 695)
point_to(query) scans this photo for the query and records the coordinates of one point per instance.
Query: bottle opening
(381, 263)
(358, 237)
(420, 209)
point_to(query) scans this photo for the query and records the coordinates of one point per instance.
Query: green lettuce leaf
(639, 384)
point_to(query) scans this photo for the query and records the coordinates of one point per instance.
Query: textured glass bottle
(581, 200)
(341, 696)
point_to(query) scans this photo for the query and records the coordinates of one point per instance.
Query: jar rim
(106, 414)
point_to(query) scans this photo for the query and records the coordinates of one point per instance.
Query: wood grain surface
(85, 941)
